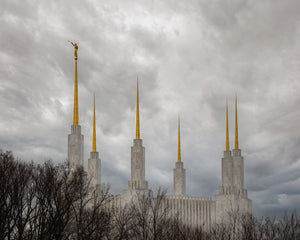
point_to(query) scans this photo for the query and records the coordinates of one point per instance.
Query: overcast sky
(190, 57)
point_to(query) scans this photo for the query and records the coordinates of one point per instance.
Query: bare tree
(16, 197)
(91, 217)
(159, 210)
(149, 215)
(289, 226)
(50, 202)
(55, 193)
(122, 223)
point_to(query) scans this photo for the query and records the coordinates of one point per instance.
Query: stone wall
(192, 211)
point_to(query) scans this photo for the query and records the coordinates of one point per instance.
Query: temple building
(193, 211)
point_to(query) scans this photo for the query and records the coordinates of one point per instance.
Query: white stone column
(232, 198)
(75, 147)
(238, 170)
(138, 166)
(94, 170)
(227, 169)
(179, 179)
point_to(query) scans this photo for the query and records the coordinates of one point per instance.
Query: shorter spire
(179, 147)
(94, 129)
(137, 110)
(227, 132)
(236, 126)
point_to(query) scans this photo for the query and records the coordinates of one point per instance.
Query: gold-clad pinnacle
(137, 110)
(236, 126)
(179, 148)
(94, 129)
(76, 115)
(227, 132)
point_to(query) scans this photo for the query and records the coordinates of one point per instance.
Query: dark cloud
(190, 57)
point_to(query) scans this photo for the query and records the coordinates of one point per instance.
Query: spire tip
(179, 147)
(94, 128)
(227, 131)
(76, 115)
(137, 110)
(236, 125)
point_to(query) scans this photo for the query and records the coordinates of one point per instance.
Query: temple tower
(232, 199)
(75, 139)
(238, 160)
(137, 156)
(245, 204)
(227, 163)
(94, 162)
(179, 171)
(226, 200)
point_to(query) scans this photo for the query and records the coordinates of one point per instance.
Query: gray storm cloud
(190, 58)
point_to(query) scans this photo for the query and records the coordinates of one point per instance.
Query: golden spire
(179, 149)
(236, 126)
(137, 110)
(227, 132)
(75, 117)
(94, 129)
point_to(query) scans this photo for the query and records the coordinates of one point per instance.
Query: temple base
(75, 147)
(179, 179)
(94, 169)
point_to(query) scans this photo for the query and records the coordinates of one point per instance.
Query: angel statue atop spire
(75, 49)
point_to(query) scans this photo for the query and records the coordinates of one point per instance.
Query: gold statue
(75, 49)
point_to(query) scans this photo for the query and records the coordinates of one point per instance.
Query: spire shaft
(137, 111)
(179, 147)
(236, 126)
(75, 116)
(94, 129)
(227, 132)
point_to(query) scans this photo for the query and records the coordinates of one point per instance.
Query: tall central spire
(94, 129)
(137, 110)
(227, 132)
(179, 148)
(75, 117)
(236, 126)
(75, 139)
